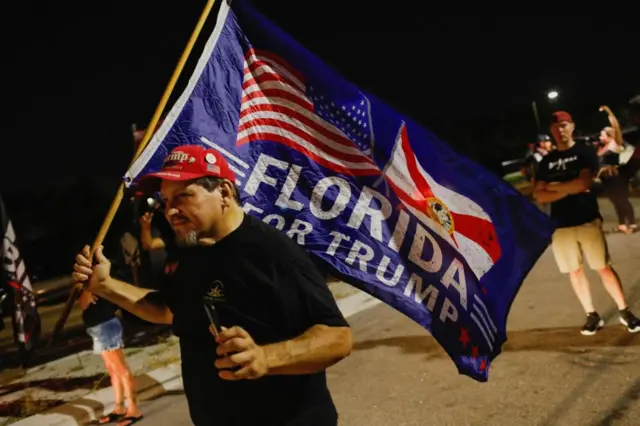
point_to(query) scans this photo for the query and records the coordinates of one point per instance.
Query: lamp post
(552, 96)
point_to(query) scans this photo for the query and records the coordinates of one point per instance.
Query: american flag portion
(276, 107)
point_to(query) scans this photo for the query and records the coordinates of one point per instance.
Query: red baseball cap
(560, 116)
(188, 162)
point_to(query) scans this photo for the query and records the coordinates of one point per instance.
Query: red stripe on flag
(276, 60)
(278, 93)
(480, 231)
(421, 183)
(266, 77)
(273, 137)
(301, 134)
(313, 124)
(14, 285)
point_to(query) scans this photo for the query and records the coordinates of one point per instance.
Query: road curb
(356, 303)
(93, 405)
(151, 384)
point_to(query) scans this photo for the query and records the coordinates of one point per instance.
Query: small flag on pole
(26, 320)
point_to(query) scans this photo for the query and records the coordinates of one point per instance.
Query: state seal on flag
(439, 212)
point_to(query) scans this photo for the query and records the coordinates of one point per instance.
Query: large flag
(26, 320)
(389, 207)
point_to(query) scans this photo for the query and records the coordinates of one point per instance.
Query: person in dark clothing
(564, 180)
(543, 147)
(615, 181)
(158, 241)
(274, 327)
(105, 329)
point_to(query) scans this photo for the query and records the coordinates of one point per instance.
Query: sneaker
(631, 321)
(593, 324)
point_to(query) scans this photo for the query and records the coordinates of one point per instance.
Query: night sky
(81, 77)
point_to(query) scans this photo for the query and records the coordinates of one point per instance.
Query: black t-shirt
(563, 166)
(264, 282)
(610, 158)
(99, 312)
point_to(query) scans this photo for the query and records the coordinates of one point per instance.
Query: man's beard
(189, 240)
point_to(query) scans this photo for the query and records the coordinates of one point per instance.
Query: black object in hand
(213, 318)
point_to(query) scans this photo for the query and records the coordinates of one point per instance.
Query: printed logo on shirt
(215, 294)
(561, 164)
(170, 268)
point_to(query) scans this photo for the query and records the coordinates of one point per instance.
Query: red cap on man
(188, 162)
(560, 116)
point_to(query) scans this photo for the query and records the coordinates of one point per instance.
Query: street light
(552, 95)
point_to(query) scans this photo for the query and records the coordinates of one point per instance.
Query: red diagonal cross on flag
(456, 218)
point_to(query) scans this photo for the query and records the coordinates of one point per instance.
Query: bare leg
(611, 283)
(581, 288)
(116, 384)
(127, 382)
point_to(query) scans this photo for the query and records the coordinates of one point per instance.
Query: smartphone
(213, 318)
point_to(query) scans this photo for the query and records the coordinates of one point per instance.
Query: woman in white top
(616, 184)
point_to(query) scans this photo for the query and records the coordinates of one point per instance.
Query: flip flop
(109, 418)
(622, 231)
(131, 420)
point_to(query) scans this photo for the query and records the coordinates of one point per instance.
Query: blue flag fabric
(389, 207)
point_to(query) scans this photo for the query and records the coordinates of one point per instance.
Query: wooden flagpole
(102, 233)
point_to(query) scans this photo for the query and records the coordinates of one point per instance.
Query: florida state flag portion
(382, 202)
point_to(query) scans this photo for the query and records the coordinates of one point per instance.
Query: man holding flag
(375, 198)
(279, 325)
(372, 196)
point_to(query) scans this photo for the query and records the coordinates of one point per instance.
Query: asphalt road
(166, 410)
(548, 373)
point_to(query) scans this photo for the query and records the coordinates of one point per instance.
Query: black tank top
(610, 158)
(101, 311)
